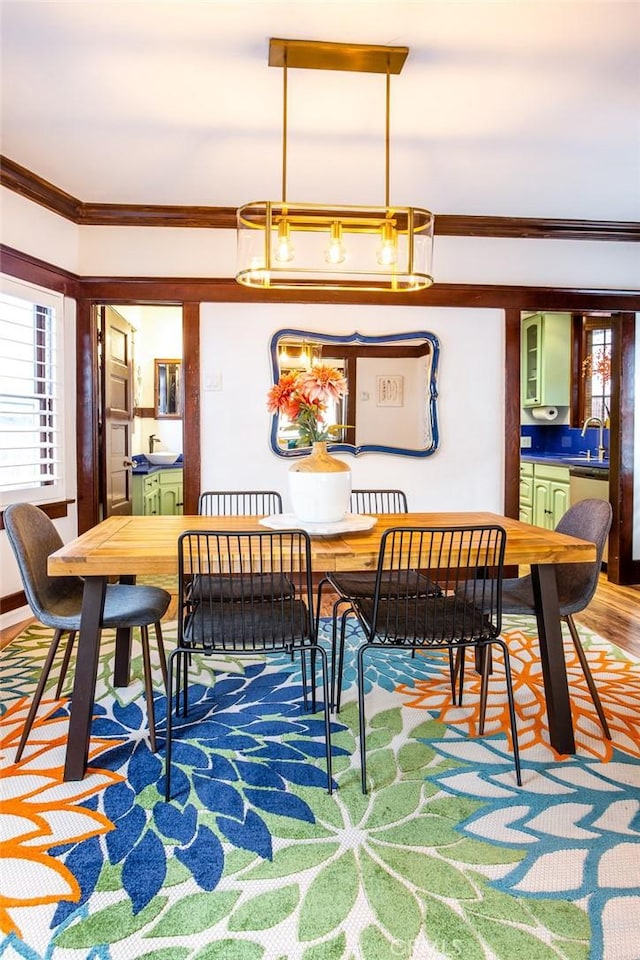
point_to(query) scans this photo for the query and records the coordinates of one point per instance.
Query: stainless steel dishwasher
(589, 483)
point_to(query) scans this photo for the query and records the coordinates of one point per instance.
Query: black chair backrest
(239, 503)
(33, 537)
(378, 501)
(588, 519)
(459, 560)
(245, 591)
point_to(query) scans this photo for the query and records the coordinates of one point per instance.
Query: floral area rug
(252, 860)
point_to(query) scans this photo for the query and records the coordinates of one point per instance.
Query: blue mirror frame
(359, 338)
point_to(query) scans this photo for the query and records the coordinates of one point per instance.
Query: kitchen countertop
(578, 466)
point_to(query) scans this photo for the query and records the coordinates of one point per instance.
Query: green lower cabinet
(171, 501)
(546, 498)
(158, 493)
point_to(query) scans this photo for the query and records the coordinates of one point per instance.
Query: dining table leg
(554, 668)
(84, 684)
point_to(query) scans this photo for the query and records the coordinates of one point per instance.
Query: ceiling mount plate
(321, 55)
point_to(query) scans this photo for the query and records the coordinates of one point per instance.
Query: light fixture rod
(386, 141)
(284, 130)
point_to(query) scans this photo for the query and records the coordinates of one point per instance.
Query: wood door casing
(117, 420)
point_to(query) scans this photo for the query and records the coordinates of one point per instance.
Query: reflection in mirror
(167, 389)
(391, 406)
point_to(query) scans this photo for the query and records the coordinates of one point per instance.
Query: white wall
(30, 228)
(466, 472)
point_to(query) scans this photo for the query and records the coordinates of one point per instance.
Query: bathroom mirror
(168, 389)
(391, 406)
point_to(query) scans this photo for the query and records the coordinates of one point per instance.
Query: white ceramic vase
(319, 486)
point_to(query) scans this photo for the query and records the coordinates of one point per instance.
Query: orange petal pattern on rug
(38, 811)
(618, 683)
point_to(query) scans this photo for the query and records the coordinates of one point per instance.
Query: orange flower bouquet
(303, 396)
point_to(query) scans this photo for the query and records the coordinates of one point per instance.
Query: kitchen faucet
(599, 423)
(153, 439)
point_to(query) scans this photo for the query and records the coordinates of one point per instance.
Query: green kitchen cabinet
(546, 360)
(171, 501)
(158, 493)
(526, 492)
(550, 494)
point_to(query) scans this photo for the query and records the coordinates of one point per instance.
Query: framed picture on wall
(389, 390)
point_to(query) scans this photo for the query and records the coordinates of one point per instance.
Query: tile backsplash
(561, 440)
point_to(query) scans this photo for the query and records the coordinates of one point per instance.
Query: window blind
(31, 394)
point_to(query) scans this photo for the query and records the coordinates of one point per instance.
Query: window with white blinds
(31, 394)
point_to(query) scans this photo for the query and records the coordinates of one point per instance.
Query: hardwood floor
(614, 613)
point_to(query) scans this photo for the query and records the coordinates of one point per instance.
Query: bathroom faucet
(153, 439)
(599, 423)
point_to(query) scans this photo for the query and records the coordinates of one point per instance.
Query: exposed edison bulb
(284, 247)
(335, 252)
(257, 271)
(387, 252)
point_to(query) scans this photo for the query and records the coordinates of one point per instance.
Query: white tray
(350, 523)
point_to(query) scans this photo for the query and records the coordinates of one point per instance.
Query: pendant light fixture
(293, 246)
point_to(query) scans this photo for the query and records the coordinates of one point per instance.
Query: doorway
(622, 568)
(149, 332)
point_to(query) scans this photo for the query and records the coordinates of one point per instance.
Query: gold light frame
(285, 245)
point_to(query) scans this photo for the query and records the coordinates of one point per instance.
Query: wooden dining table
(132, 547)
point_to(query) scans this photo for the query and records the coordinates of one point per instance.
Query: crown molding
(225, 290)
(35, 188)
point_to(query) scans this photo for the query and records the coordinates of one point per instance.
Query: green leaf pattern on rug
(113, 923)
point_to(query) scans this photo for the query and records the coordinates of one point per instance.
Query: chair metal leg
(512, 708)
(321, 652)
(595, 696)
(65, 662)
(148, 686)
(37, 697)
(338, 676)
(325, 580)
(174, 664)
(334, 635)
(362, 721)
(305, 681)
(484, 689)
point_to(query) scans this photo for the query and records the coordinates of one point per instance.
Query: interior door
(117, 406)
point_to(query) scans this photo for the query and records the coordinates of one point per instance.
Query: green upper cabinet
(546, 360)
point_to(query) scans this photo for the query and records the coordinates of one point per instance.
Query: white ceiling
(505, 108)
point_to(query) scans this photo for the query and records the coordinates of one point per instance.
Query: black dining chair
(230, 602)
(397, 617)
(361, 583)
(244, 503)
(588, 519)
(57, 603)
(348, 583)
(239, 503)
